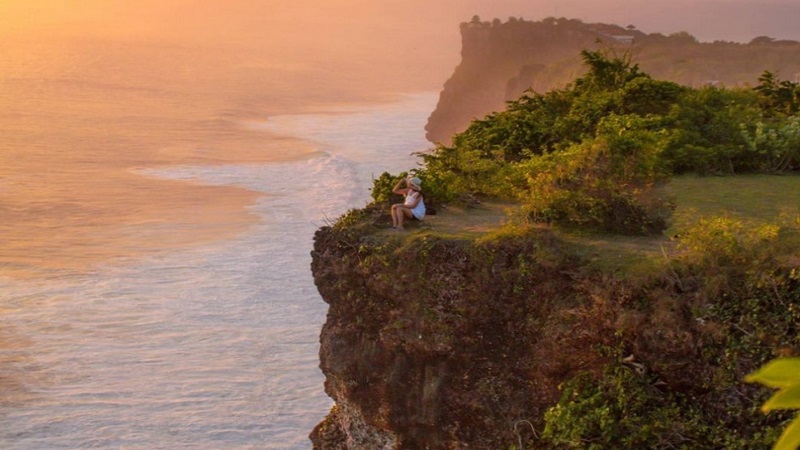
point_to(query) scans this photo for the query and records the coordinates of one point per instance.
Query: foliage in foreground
(784, 375)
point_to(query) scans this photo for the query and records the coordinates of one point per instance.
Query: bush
(620, 410)
(777, 146)
(608, 183)
(725, 244)
(704, 131)
(383, 185)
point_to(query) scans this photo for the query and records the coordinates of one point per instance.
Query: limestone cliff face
(434, 343)
(499, 61)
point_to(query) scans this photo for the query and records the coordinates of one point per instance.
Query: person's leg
(394, 214)
(398, 213)
(404, 213)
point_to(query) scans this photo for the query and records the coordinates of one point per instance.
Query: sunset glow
(288, 55)
(165, 165)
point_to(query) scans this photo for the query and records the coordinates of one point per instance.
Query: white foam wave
(210, 347)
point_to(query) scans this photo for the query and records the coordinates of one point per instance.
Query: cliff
(499, 61)
(437, 344)
(453, 341)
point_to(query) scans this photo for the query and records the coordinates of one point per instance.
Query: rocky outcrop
(439, 344)
(447, 343)
(438, 341)
(499, 61)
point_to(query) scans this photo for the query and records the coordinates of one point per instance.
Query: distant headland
(500, 60)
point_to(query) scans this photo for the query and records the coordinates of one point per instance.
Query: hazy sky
(706, 19)
(417, 39)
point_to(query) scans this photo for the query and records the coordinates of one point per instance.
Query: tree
(683, 37)
(778, 96)
(762, 40)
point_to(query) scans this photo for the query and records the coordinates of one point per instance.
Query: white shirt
(419, 210)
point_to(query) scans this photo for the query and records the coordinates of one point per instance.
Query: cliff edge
(437, 343)
(496, 341)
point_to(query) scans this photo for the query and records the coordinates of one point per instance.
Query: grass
(466, 222)
(760, 198)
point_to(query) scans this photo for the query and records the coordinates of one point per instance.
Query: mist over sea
(155, 289)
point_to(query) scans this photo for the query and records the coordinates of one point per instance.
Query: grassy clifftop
(600, 296)
(470, 332)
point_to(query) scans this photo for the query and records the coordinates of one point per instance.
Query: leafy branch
(783, 374)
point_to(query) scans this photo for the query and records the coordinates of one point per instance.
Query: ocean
(155, 288)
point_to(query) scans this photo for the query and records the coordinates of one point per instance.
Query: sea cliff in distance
(500, 60)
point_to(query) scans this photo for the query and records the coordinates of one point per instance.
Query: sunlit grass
(759, 198)
(753, 198)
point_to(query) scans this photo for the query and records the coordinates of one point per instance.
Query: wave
(212, 346)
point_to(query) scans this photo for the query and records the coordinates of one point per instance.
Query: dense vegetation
(595, 156)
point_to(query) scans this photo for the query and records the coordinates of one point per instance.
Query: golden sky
(420, 33)
(707, 19)
(416, 41)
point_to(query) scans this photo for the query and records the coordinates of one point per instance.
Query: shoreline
(88, 214)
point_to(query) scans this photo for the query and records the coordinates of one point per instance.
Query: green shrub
(451, 172)
(608, 183)
(704, 131)
(778, 97)
(619, 410)
(775, 145)
(623, 409)
(383, 185)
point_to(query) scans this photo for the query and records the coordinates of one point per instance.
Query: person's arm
(398, 190)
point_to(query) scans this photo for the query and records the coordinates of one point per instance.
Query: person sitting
(413, 208)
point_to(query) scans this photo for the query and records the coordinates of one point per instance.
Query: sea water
(211, 346)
